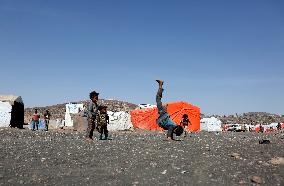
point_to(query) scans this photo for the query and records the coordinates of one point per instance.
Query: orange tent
(146, 118)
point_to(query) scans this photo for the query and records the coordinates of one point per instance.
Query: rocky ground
(140, 158)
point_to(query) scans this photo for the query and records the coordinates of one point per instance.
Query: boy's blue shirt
(165, 121)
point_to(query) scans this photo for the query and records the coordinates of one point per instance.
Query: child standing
(46, 116)
(35, 120)
(102, 122)
(164, 121)
(279, 126)
(92, 111)
(184, 123)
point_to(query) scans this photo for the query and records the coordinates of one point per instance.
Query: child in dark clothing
(164, 120)
(184, 123)
(102, 122)
(46, 116)
(92, 111)
(279, 126)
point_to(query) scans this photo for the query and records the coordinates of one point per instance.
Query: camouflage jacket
(103, 119)
(92, 110)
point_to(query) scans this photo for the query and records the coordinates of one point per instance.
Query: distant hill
(58, 111)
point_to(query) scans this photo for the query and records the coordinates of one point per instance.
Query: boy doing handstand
(164, 121)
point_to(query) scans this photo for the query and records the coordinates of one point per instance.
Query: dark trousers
(103, 130)
(46, 124)
(91, 127)
(161, 108)
(35, 124)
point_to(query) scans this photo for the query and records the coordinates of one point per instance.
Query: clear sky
(225, 56)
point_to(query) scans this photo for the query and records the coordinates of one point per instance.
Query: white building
(11, 111)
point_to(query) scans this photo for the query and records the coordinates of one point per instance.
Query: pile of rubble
(58, 111)
(252, 118)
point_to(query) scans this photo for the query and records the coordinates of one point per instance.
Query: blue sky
(225, 56)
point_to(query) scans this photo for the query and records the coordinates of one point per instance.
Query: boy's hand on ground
(169, 139)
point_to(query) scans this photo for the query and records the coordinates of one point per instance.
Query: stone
(277, 161)
(235, 155)
(264, 141)
(256, 179)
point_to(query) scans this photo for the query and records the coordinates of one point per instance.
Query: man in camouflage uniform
(92, 111)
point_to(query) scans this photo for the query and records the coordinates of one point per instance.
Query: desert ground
(63, 157)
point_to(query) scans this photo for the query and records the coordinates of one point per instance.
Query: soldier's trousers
(90, 129)
(103, 130)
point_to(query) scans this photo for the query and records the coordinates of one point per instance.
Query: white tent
(72, 108)
(5, 116)
(273, 125)
(119, 121)
(144, 106)
(270, 126)
(210, 124)
(11, 111)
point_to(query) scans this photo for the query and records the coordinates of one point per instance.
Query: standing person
(164, 121)
(184, 123)
(279, 126)
(102, 122)
(35, 120)
(46, 116)
(92, 111)
(261, 129)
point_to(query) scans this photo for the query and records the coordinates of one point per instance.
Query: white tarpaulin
(119, 121)
(267, 127)
(68, 120)
(5, 114)
(72, 108)
(210, 124)
(273, 125)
